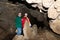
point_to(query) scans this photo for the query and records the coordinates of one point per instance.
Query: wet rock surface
(42, 34)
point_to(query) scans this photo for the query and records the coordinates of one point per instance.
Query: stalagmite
(34, 29)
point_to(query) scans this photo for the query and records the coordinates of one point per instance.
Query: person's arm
(16, 22)
(29, 22)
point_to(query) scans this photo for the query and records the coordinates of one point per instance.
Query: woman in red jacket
(24, 20)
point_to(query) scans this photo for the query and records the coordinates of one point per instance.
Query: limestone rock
(34, 30)
(27, 30)
(50, 36)
(47, 3)
(55, 25)
(18, 37)
(54, 13)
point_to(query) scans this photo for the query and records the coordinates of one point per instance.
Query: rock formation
(54, 13)
(7, 16)
(3, 0)
(9, 11)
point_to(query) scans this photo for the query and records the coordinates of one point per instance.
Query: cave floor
(43, 34)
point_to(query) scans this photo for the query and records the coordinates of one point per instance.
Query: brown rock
(18, 37)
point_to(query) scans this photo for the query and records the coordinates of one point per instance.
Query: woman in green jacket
(18, 24)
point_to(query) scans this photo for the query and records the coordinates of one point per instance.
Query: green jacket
(18, 22)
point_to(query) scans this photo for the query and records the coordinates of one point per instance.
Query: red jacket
(23, 20)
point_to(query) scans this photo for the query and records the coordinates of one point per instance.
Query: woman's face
(19, 14)
(26, 14)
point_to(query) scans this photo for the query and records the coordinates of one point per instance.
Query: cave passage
(33, 19)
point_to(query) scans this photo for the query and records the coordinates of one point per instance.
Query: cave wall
(9, 11)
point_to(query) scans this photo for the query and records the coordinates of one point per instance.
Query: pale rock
(55, 26)
(18, 37)
(39, 3)
(27, 30)
(34, 30)
(54, 10)
(54, 13)
(47, 3)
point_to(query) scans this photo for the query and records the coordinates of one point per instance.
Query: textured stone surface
(41, 35)
(7, 17)
(3, 0)
(18, 37)
(54, 13)
(55, 25)
(8, 12)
